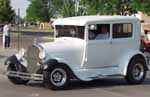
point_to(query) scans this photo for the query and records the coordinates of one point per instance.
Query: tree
(62, 8)
(38, 10)
(55, 8)
(142, 5)
(118, 7)
(6, 11)
(43, 10)
(68, 8)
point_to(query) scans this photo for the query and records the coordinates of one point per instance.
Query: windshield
(70, 31)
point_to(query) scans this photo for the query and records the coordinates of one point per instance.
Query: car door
(122, 41)
(98, 50)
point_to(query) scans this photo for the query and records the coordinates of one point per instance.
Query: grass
(33, 29)
(15, 34)
(51, 38)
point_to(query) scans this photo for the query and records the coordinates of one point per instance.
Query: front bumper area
(28, 76)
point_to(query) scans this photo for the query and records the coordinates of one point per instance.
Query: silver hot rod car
(84, 48)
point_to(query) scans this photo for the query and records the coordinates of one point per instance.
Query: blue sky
(22, 4)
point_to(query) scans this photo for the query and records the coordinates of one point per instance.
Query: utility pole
(18, 28)
(76, 7)
(49, 7)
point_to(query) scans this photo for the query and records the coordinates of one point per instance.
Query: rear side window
(124, 30)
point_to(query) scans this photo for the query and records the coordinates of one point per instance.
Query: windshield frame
(55, 34)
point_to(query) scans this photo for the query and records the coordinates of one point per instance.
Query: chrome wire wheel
(58, 77)
(138, 71)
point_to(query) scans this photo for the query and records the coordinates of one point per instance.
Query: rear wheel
(15, 80)
(57, 78)
(136, 71)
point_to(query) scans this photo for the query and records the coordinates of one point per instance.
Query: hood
(63, 44)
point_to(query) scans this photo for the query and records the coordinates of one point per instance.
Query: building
(146, 24)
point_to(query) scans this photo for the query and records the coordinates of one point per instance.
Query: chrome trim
(32, 76)
(33, 59)
(138, 71)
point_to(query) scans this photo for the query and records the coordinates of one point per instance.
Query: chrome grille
(33, 59)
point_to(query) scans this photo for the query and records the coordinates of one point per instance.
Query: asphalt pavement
(111, 87)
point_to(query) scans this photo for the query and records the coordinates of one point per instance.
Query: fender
(12, 60)
(75, 71)
(47, 65)
(52, 62)
(125, 61)
(55, 60)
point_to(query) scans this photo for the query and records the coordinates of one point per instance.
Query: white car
(84, 48)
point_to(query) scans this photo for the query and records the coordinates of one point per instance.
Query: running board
(107, 76)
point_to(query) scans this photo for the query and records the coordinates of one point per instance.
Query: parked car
(85, 48)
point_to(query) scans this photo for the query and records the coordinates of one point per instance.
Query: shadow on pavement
(102, 83)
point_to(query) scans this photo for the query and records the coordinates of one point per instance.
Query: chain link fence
(23, 39)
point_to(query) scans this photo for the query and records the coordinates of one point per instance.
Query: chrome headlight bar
(42, 53)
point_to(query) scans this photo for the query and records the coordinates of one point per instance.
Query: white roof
(83, 20)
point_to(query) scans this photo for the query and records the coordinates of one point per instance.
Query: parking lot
(100, 88)
(112, 87)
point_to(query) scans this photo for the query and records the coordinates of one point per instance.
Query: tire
(136, 71)
(57, 78)
(16, 80)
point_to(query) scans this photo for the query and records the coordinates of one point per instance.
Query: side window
(70, 31)
(99, 32)
(122, 30)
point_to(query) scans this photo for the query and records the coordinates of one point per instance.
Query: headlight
(21, 52)
(42, 54)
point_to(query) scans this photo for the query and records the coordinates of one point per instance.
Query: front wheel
(57, 78)
(136, 71)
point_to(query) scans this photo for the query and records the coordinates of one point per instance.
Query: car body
(76, 53)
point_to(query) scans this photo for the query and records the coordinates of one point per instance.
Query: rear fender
(126, 60)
